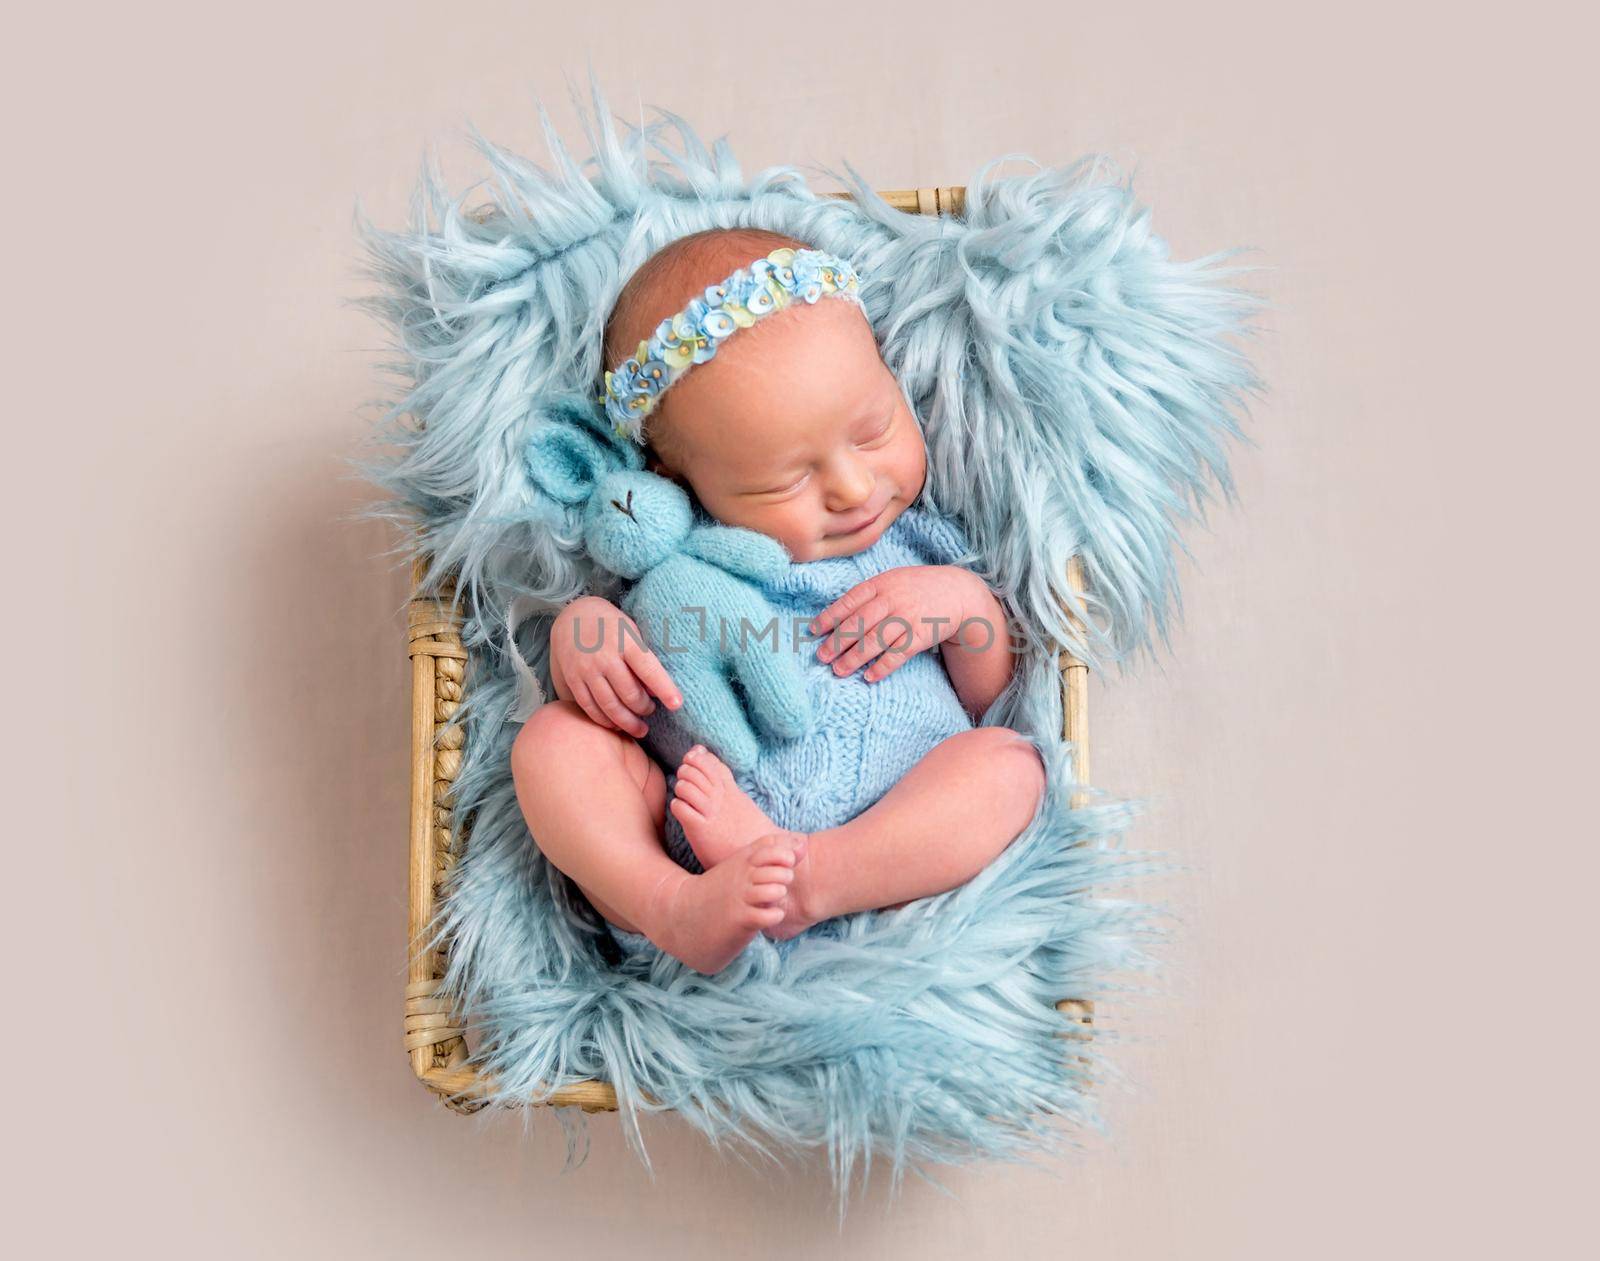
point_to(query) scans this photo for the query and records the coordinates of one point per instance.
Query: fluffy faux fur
(1077, 388)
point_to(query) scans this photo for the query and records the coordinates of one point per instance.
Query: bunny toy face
(634, 521)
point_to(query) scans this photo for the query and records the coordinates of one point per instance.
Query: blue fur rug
(1077, 389)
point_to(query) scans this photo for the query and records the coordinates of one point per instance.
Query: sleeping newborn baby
(791, 425)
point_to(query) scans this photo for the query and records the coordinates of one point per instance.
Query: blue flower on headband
(680, 343)
(718, 324)
(760, 300)
(741, 290)
(621, 382)
(775, 274)
(652, 377)
(808, 278)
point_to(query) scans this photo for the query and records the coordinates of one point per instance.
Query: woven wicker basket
(434, 1040)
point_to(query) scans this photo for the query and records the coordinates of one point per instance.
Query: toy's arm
(742, 639)
(753, 648)
(712, 715)
(686, 599)
(768, 670)
(761, 657)
(740, 552)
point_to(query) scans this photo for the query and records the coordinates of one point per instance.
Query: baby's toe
(773, 874)
(703, 759)
(687, 790)
(779, 849)
(688, 770)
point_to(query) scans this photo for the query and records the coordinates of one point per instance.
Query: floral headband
(692, 336)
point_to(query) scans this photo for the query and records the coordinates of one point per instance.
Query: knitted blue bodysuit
(866, 735)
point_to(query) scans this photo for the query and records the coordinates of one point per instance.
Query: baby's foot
(717, 815)
(709, 919)
(807, 901)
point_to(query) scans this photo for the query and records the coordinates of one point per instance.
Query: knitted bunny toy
(693, 596)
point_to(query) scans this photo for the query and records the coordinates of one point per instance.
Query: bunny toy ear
(567, 453)
(577, 410)
(565, 463)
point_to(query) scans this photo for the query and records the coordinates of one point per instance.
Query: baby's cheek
(912, 467)
(797, 529)
(786, 522)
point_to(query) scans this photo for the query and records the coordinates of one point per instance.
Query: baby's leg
(950, 816)
(596, 802)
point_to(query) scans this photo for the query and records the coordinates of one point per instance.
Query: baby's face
(797, 429)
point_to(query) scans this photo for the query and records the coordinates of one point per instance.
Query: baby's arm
(981, 656)
(598, 661)
(890, 617)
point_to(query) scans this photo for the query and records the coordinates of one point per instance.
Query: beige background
(1367, 743)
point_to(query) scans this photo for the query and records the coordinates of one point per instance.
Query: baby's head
(796, 428)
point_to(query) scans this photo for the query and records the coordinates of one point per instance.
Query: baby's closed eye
(879, 433)
(788, 487)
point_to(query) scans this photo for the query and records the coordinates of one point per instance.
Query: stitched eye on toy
(627, 507)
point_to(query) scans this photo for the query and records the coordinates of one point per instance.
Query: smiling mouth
(873, 520)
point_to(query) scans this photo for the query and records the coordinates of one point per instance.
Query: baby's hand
(889, 618)
(598, 660)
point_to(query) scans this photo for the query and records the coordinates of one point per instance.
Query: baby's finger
(624, 718)
(847, 603)
(900, 644)
(874, 643)
(853, 624)
(626, 685)
(586, 702)
(887, 664)
(768, 894)
(854, 627)
(647, 668)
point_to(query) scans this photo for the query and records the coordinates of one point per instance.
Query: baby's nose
(850, 488)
